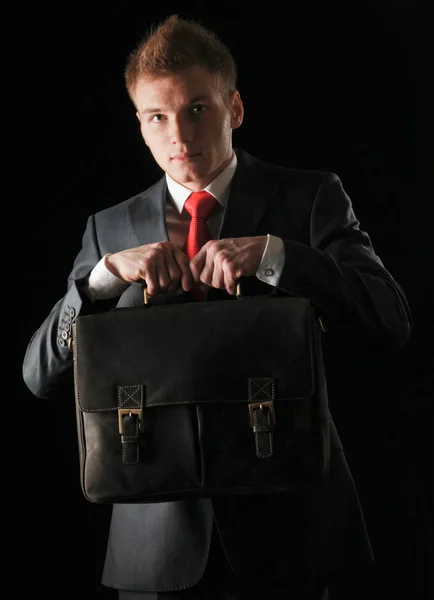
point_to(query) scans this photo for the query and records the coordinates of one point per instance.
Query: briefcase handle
(146, 295)
(238, 295)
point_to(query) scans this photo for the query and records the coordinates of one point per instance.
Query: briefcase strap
(130, 416)
(262, 414)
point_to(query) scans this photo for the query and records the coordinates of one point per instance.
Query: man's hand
(221, 263)
(162, 266)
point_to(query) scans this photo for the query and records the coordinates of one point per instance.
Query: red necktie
(199, 205)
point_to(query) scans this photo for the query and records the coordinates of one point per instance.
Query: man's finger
(184, 267)
(150, 278)
(174, 270)
(197, 263)
(229, 281)
(164, 279)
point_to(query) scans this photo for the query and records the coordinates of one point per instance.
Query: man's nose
(181, 131)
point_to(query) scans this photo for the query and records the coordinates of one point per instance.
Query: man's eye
(157, 118)
(197, 109)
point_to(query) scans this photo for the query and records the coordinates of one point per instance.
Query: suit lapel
(147, 214)
(251, 189)
(250, 194)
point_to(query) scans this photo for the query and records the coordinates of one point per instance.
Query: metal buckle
(130, 411)
(261, 405)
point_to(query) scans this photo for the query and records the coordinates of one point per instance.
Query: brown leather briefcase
(200, 398)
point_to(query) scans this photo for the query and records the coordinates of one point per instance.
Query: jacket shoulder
(119, 208)
(285, 172)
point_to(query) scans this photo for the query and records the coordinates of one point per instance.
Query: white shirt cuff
(103, 285)
(273, 259)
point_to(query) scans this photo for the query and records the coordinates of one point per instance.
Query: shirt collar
(219, 186)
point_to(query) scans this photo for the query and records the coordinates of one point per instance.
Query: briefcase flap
(199, 352)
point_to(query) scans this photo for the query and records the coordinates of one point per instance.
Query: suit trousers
(219, 582)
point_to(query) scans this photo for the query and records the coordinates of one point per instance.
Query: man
(279, 227)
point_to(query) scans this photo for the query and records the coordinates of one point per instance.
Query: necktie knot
(200, 204)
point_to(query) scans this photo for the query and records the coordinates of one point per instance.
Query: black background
(347, 88)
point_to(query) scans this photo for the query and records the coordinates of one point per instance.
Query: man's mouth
(185, 157)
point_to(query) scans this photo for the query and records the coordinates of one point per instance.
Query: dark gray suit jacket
(328, 259)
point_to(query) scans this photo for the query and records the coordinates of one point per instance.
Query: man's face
(187, 124)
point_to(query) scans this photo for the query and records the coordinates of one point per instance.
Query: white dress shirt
(103, 284)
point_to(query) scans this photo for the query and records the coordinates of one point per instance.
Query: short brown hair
(177, 44)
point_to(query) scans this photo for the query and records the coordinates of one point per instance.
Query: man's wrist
(103, 284)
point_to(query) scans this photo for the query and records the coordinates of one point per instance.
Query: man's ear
(237, 109)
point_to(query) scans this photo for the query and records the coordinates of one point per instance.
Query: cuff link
(268, 272)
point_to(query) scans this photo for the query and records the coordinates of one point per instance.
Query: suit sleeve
(342, 275)
(47, 358)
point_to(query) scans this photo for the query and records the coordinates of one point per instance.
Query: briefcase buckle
(262, 405)
(130, 411)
